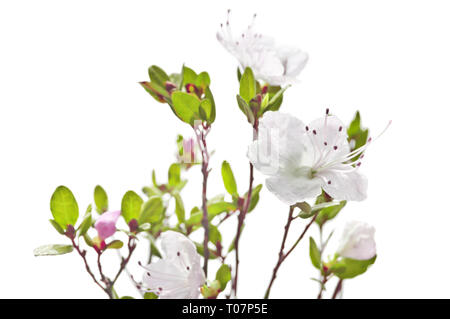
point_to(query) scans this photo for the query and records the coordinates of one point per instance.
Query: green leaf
(152, 210)
(210, 98)
(348, 268)
(131, 206)
(314, 253)
(101, 199)
(150, 295)
(228, 179)
(215, 209)
(57, 227)
(179, 208)
(88, 240)
(247, 87)
(64, 207)
(158, 75)
(255, 197)
(195, 217)
(174, 175)
(214, 235)
(329, 213)
(200, 250)
(245, 109)
(203, 80)
(276, 99)
(126, 297)
(357, 134)
(53, 250)
(223, 275)
(158, 92)
(189, 75)
(85, 224)
(115, 244)
(239, 74)
(186, 106)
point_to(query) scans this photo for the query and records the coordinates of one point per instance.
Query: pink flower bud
(106, 224)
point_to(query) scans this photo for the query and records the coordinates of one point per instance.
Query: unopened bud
(70, 232)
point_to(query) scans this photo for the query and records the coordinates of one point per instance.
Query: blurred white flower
(357, 241)
(302, 160)
(179, 274)
(276, 65)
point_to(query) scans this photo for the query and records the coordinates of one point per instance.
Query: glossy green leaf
(53, 250)
(329, 213)
(174, 174)
(347, 268)
(189, 75)
(152, 210)
(245, 108)
(150, 295)
(85, 224)
(131, 206)
(186, 106)
(223, 275)
(228, 179)
(214, 235)
(179, 208)
(247, 85)
(202, 80)
(100, 199)
(115, 244)
(64, 207)
(357, 134)
(158, 75)
(57, 227)
(200, 250)
(314, 253)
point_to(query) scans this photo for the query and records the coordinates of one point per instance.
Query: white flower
(302, 160)
(179, 274)
(276, 65)
(357, 241)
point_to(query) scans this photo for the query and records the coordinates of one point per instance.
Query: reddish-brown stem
(281, 255)
(82, 253)
(241, 218)
(338, 289)
(201, 140)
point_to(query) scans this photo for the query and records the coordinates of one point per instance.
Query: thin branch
(201, 140)
(338, 289)
(281, 255)
(241, 218)
(82, 253)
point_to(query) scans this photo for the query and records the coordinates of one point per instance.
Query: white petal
(345, 185)
(329, 136)
(281, 144)
(166, 275)
(293, 59)
(292, 190)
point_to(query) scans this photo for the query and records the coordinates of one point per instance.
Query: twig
(241, 218)
(281, 256)
(338, 289)
(82, 253)
(201, 139)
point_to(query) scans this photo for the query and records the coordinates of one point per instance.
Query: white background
(72, 113)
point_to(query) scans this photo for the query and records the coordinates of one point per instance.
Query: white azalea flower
(301, 160)
(179, 274)
(276, 65)
(357, 241)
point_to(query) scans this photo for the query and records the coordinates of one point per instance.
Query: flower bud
(106, 224)
(70, 232)
(357, 241)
